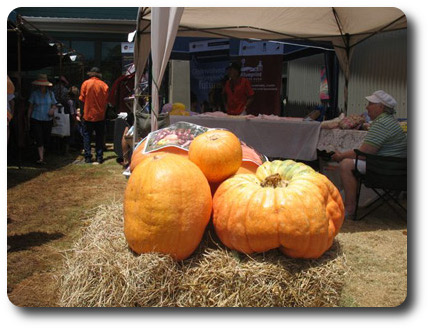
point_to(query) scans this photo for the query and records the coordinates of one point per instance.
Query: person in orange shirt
(238, 92)
(94, 95)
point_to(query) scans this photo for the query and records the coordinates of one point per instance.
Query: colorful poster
(265, 75)
(127, 56)
(324, 94)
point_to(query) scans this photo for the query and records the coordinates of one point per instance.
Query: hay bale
(101, 271)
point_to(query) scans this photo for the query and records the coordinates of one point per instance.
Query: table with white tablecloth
(287, 138)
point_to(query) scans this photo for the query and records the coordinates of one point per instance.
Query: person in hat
(238, 93)
(42, 105)
(61, 91)
(94, 95)
(384, 138)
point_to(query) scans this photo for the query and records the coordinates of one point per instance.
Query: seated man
(385, 138)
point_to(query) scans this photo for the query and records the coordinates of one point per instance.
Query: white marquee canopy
(344, 27)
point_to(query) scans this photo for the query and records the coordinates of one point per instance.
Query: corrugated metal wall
(378, 63)
(304, 79)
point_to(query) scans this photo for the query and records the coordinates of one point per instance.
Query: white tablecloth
(340, 139)
(286, 138)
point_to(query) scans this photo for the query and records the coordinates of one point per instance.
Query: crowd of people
(86, 107)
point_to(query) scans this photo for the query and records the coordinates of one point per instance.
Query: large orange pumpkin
(285, 204)
(167, 205)
(218, 153)
(139, 154)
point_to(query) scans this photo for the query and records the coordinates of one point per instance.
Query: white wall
(179, 82)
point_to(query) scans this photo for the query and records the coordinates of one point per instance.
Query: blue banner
(207, 74)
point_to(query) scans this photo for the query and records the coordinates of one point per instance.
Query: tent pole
(149, 63)
(19, 45)
(348, 49)
(19, 89)
(135, 101)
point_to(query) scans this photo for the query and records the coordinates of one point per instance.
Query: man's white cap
(382, 97)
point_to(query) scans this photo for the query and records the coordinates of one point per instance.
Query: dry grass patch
(101, 271)
(377, 254)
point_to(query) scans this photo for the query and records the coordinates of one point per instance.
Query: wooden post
(61, 60)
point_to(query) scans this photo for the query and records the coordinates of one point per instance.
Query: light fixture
(73, 57)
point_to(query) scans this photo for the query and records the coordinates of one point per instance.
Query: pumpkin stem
(274, 181)
(213, 137)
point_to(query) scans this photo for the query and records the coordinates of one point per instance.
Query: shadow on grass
(383, 218)
(24, 168)
(26, 241)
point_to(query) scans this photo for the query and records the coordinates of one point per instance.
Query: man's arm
(365, 147)
(249, 100)
(250, 92)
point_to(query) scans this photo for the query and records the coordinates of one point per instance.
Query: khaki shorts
(361, 166)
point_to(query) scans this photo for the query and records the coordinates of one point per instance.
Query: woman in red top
(237, 91)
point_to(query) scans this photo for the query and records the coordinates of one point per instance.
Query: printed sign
(209, 45)
(206, 80)
(265, 74)
(127, 47)
(249, 48)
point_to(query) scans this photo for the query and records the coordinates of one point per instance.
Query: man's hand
(337, 156)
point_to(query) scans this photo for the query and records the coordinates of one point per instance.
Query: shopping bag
(143, 123)
(61, 125)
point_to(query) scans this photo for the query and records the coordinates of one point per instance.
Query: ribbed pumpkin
(285, 204)
(167, 205)
(218, 153)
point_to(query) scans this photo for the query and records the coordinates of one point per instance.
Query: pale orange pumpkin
(167, 205)
(218, 153)
(285, 205)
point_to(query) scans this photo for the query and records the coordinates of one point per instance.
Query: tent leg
(348, 54)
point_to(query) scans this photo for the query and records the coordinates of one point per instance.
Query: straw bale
(101, 271)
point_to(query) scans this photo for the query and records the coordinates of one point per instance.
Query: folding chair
(386, 176)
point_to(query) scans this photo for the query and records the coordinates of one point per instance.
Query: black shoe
(100, 160)
(88, 160)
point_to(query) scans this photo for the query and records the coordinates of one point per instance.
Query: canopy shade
(344, 27)
(281, 23)
(32, 50)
